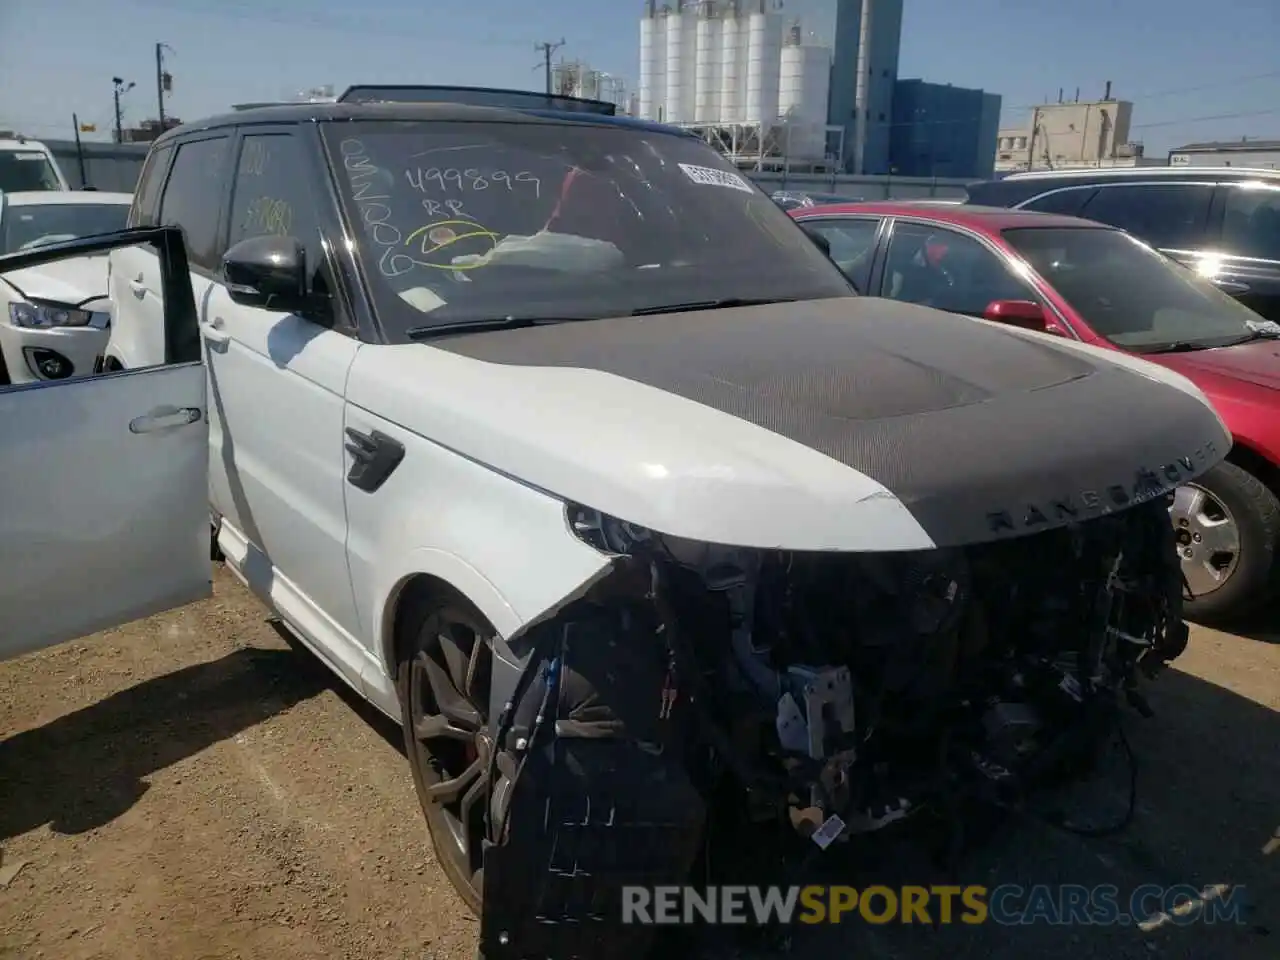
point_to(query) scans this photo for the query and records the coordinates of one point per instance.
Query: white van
(27, 165)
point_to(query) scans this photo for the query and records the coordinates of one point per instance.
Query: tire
(440, 759)
(1227, 495)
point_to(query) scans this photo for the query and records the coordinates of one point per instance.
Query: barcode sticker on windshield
(711, 177)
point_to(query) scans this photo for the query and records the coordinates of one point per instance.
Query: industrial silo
(653, 63)
(804, 79)
(732, 61)
(706, 71)
(764, 50)
(681, 48)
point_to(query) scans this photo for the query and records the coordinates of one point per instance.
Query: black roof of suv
(422, 102)
(1017, 188)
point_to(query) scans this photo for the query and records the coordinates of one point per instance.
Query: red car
(1083, 280)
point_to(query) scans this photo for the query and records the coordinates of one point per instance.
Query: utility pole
(164, 82)
(1031, 141)
(75, 123)
(119, 87)
(547, 49)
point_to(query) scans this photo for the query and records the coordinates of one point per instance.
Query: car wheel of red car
(1226, 524)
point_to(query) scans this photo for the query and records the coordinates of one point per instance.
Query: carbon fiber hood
(981, 432)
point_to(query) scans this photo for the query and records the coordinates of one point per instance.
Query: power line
(1212, 116)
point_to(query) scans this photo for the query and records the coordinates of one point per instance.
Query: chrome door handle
(162, 418)
(212, 330)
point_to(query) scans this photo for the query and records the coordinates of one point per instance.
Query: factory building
(868, 34)
(768, 95)
(1249, 152)
(943, 131)
(574, 78)
(1073, 134)
(741, 76)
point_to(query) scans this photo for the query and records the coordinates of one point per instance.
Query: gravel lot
(192, 788)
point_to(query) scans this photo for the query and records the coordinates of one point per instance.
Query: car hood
(854, 423)
(1257, 362)
(65, 281)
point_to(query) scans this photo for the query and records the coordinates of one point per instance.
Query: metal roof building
(1245, 152)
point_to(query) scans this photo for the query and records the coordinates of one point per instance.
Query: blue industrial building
(943, 131)
(879, 24)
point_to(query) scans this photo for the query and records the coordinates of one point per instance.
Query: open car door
(104, 512)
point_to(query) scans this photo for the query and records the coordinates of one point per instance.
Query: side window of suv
(1251, 222)
(1168, 215)
(193, 197)
(272, 193)
(146, 196)
(1065, 202)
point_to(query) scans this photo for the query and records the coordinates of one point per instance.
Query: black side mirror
(268, 271)
(819, 241)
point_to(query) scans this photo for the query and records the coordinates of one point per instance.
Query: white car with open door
(104, 514)
(55, 317)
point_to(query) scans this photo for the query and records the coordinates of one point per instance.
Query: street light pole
(119, 87)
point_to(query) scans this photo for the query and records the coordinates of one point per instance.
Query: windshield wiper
(481, 325)
(722, 304)
(1186, 346)
(1178, 346)
(1259, 333)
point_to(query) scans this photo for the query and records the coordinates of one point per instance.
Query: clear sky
(1180, 60)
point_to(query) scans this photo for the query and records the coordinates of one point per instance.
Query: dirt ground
(193, 788)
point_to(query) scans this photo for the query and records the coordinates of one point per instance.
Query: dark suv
(1223, 222)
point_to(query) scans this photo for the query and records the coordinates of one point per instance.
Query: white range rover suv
(566, 448)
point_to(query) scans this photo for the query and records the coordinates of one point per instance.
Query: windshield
(471, 222)
(1128, 293)
(31, 225)
(27, 170)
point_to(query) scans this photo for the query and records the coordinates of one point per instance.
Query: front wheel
(1226, 525)
(443, 676)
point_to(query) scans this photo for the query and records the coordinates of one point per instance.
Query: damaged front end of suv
(857, 560)
(826, 693)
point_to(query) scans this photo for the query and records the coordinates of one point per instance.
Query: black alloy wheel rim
(449, 684)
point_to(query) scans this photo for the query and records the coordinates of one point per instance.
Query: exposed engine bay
(847, 669)
(845, 692)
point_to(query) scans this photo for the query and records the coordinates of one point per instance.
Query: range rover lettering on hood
(1147, 484)
(962, 421)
